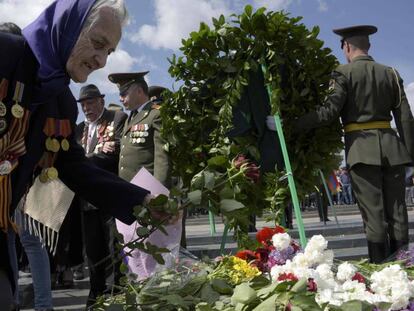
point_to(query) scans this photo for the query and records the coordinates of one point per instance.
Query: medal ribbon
(4, 84)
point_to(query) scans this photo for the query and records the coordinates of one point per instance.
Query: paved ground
(75, 298)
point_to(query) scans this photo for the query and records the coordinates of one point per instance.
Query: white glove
(270, 123)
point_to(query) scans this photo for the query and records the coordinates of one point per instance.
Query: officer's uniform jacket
(143, 146)
(364, 91)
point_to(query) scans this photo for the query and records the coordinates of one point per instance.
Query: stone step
(345, 247)
(329, 230)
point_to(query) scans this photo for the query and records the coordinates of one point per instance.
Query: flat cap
(124, 80)
(359, 30)
(89, 91)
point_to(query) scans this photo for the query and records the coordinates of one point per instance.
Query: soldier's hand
(108, 147)
(270, 123)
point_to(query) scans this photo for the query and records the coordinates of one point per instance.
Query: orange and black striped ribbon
(12, 144)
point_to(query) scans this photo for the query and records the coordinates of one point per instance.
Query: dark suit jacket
(107, 161)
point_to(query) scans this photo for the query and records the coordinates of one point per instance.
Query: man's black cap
(89, 91)
(124, 80)
(360, 30)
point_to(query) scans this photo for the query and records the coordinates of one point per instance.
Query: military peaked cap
(125, 80)
(360, 30)
(89, 91)
(156, 91)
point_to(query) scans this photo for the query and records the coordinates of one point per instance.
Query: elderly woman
(69, 40)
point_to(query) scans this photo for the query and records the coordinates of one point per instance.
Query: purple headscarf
(52, 37)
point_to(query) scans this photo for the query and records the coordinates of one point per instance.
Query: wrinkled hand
(108, 147)
(270, 123)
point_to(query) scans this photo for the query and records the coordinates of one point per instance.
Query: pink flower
(287, 277)
(359, 277)
(311, 286)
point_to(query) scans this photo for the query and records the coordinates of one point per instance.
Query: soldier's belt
(351, 127)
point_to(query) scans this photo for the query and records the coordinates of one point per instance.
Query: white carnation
(392, 285)
(281, 240)
(345, 271)
(317, 243)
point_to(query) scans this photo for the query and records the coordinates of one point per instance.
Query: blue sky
(156, 27)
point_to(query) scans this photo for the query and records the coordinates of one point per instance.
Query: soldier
(363, 94)
(143, 146)
(100, 136)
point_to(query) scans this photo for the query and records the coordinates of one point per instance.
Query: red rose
(247, 255)
(287, 277)
(311, 286)
(359, 277)
(265, 235)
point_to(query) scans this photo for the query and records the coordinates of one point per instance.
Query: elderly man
(69, 40)
(364, 94)
(99, 135)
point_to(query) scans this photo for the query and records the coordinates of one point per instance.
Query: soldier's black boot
(377, 251)
(396, 245)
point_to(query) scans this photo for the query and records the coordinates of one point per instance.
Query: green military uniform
(141, 141)
(363, 94)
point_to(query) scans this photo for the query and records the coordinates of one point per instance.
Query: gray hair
(118, 7)
(10, 28)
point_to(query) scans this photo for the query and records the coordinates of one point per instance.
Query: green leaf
(123, 268)
(159, 200)
(221, 286)
(209, 180)
(209, 295)
(243, 293)
(300, 285)
(142, 231)
(195, 197)
(268, 304)
(248, 9)
(203, 306)
(217, 161)
(227, 205)
(355, 305)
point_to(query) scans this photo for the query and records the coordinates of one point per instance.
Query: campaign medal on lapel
(3, 108)
(65, 131)
(17, 110)
(3, 125)
(53, 129)
(4, 84)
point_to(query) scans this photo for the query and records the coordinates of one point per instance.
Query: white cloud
(21, 12)
(175, 20)
(272, 5)
(323, 6)
(119, 61)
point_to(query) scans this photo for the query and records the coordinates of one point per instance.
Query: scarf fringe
(47, 236)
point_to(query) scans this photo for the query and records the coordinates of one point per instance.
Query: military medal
(5, 167)
(65, 144)
(3, 92)
(3, 109)
(43, 177)
(55, 145)
(17, 110)
(65, 131)
(52, 173)
(3, 125)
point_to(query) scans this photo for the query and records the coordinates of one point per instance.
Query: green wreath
(220, 173)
